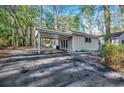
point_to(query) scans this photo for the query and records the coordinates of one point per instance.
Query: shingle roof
(117, 34)
(113, 35)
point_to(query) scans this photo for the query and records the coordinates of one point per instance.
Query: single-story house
(116, 38)
(68, 40)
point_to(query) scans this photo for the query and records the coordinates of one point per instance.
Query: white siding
(121, 38)
(115, 41)
(80, 44)
(70, 43)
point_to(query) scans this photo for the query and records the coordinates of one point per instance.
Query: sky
(69, 9)
(72, 9)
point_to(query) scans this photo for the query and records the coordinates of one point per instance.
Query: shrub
(103, 52)
(114, 54)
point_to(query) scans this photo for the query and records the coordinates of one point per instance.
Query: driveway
(56, 69)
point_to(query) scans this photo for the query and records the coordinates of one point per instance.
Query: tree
(49, 20)
(17, 22)
(88, 12)
(107, 23)
(122, 14)
(75, 23)
(57, 10)
(115, 28)
(18, 25)
(5, 23)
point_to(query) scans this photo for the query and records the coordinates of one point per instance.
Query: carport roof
(55, 34)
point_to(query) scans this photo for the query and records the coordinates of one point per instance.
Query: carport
(60, 36)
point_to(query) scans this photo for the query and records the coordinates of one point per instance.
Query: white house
(69, 40)
(116, 38)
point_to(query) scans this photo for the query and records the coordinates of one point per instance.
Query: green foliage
(115, 28)
(87, 10)
(2, 28)
(75, 23)
(17, 21)
(14, 24)
(103, 52)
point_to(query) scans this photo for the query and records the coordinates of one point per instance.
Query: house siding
(70, 44)
(121, 38)
(80, 44)
(118, 40)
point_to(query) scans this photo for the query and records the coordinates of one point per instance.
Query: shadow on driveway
(56, 70)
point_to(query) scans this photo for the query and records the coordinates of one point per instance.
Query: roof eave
(84, 34)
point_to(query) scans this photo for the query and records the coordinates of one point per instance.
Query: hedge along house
(68, 40)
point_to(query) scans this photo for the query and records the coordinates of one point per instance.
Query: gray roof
(116, 34)
(113, 35)
(65, 32)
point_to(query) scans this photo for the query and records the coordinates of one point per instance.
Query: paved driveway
(56, 69)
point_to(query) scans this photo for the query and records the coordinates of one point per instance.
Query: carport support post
(39, 43)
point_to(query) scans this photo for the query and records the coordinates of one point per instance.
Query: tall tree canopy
(17, 23)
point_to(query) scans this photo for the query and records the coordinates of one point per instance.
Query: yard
(55, 68)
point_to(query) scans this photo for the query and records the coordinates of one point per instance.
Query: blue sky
(72, 9)
(69, 9)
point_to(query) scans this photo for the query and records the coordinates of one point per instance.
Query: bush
(114, 54)
(103, 52)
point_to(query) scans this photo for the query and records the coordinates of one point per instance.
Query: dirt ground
(54, 68)
(4, 53)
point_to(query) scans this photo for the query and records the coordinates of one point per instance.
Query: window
(88, 40)
(66, 43)
(122, 41)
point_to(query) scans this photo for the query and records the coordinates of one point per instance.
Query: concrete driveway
(56, 69)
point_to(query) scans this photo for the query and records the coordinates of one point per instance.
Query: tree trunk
(41, 16)
(107, 23)
(13, 38)
(122, 15)
(30, 39)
